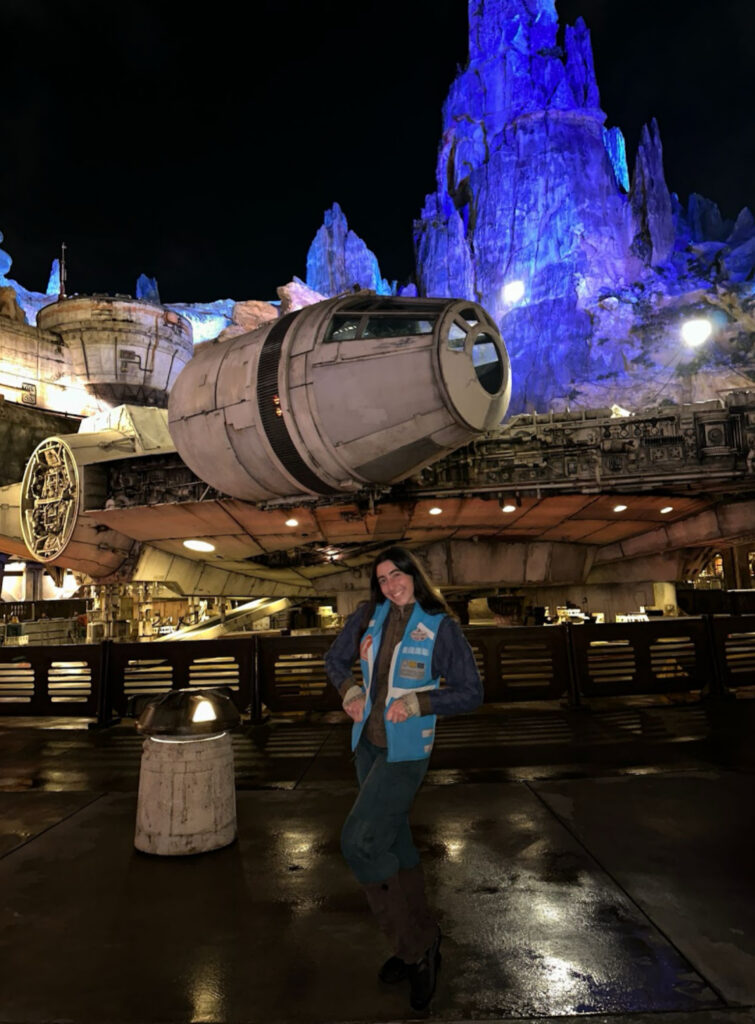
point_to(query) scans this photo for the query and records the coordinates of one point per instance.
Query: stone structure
(338, 260)
(589, 276)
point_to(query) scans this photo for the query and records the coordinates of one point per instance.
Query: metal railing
(662, 656)
(710, 654)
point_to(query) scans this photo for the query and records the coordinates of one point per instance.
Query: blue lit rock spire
(338, 259)
(532, 188)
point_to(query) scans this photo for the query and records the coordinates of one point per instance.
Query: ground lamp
(187, 795)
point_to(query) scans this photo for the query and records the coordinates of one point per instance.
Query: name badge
(412, 669)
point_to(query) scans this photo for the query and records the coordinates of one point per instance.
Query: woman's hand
(398, 711)
(355, 709)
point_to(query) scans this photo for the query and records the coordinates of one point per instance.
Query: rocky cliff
(588, 272)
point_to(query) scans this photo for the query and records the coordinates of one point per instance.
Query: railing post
(717, 686)
(574, 697)
(255, 704)
(105, 717)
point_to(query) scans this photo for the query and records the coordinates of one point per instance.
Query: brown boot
(413, 885)
(407, 937)
(422, 974)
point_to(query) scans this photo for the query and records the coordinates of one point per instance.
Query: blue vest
(411, 669)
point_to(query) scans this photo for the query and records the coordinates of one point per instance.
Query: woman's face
(396, 585)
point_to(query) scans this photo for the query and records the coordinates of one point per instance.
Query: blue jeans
(376, 839)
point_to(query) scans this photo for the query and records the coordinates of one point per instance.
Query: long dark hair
(425, 593)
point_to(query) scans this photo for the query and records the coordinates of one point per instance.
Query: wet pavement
(594, 864)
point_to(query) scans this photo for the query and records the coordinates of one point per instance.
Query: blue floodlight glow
(696, 331)
(513, 292)
(616, 147)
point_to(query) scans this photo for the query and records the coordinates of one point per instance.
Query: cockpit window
(343, 328)
(488, 364)
(396, 327)
(457, 336)
(346, 327)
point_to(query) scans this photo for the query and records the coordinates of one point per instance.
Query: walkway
(582, 863)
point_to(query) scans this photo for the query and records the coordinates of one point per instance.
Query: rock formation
(296, 294)
(533, 216)
(247, 316)
(590, 274)
(147, 290)
(338, 259)
(531, 189)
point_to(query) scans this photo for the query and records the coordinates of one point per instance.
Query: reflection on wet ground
(582, 863)
(497, 743)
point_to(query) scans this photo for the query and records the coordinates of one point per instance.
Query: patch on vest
(421, 632)
(410, 669)
(364, 647)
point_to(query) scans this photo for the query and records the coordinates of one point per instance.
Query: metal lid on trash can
(188, 713)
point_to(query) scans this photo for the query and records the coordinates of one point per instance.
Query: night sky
(203, 148)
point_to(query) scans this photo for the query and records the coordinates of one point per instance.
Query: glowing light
(667, 508)
(199, 545)
(204, 712)
(619, 412)
(620, 508)
(435, 511)
(513, 292)
(696, 331)
(455, 849)
(508, 507)
(292, 522)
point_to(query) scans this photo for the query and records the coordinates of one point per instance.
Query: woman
(406, 640)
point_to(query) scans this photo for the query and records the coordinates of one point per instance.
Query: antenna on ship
(63, 271)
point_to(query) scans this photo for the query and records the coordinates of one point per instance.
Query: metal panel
(734, 643)
(621, 659)
(52, 680)
(148, 669)
(291, 674)
(521, 662)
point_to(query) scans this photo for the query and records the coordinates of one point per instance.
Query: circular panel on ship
(49, 499)
(474, 366)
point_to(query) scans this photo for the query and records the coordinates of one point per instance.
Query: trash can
(187, 792)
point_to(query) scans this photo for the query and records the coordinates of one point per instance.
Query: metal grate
(526, 664)
(220, 671)
(611, 662)
(300, 674)
(16, 682)
(672, 657)
(69, 681)
(147, 675)
(739, 652)
(479, 657)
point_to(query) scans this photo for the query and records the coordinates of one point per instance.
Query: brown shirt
(393, 631)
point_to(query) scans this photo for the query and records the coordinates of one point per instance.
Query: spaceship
(340, 395)
(289, 455)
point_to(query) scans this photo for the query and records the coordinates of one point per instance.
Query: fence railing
(711, 654)
(663, 656)
(51, 680)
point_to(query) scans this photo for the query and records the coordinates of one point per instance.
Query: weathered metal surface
(63, 477)
(121, 349)
(353, 391)
(700, 445)
(187, 796)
